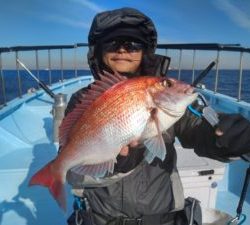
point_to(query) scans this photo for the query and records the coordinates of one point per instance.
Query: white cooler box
(199, 176)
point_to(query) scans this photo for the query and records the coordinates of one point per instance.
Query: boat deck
(26, 145)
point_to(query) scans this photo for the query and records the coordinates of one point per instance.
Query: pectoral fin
(155, 148)
(96, 170)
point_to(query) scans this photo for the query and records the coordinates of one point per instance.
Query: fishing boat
(31, 110)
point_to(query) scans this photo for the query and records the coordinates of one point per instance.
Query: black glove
(233, 134)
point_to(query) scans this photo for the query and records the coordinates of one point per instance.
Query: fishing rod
(59, 106)
(241, 218)
(204, 73)
(41, 83)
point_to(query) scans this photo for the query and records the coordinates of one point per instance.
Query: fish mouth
(190, 90)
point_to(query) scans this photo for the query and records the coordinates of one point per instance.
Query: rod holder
(60, 103)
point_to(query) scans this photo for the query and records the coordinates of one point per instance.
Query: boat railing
(192, 48)
(36, 49)
(218, 48)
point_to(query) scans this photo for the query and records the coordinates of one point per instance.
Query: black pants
(191, 212)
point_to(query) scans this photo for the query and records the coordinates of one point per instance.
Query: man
(124, 41)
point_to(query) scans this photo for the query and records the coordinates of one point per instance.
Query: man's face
(123, 57)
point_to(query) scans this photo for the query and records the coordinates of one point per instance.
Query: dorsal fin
(106, 81)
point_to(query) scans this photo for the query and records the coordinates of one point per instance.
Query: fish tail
(53, 181)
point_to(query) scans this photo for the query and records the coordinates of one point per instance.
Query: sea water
(228, 81)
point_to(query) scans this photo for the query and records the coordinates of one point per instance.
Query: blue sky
(40, 22)
(33, 22)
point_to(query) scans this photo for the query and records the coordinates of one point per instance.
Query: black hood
(106, 24)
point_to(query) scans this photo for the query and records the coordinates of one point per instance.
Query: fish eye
(166, 83)
(170, 84)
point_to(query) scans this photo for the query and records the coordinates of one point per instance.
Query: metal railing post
(217, 72)
(20, 92)
(2, 80)
(37, 68)
(240, 77)
(180, 59)
(166, 52)
(61, 64)
(49, 66)
(75, 66)
(193, 65)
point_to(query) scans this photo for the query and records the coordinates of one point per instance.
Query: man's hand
(233, 131)
(125, 150)
(218, 132)
(227, 123)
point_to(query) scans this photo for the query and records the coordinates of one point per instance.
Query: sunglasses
(129, 46)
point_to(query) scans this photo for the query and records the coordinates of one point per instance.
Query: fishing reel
(201, 107)
(203, 110)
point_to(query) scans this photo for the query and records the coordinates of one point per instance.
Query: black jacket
(153, 189)
(149, 188)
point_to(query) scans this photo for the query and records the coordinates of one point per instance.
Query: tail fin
(53, 181)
